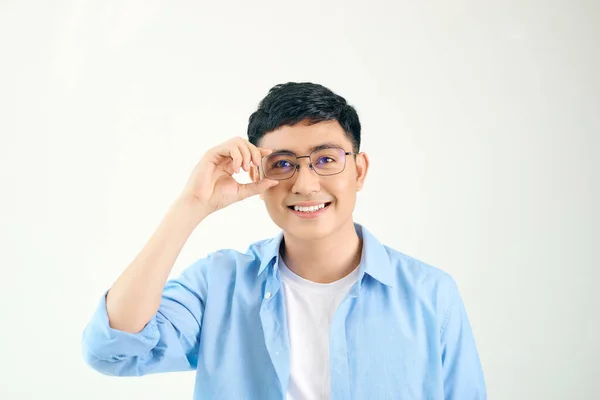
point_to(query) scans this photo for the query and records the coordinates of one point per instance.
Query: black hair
(292, 102)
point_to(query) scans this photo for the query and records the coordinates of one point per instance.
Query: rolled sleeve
(105, 343)
(168, 342)
(463, 374)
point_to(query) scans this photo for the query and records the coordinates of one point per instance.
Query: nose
(306, 181)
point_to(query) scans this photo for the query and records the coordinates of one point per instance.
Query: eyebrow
(326, 145)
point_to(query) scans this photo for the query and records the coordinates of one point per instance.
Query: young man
(322, 311)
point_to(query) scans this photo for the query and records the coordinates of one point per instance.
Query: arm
(136, 295)
(463, 375)
(167, 343)
(143, 325)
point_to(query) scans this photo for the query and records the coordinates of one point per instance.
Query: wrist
(189, 209)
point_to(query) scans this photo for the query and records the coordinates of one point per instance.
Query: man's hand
(211, 185)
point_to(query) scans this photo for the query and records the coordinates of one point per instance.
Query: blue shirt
(402, 331)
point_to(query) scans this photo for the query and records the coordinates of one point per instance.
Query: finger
(246, 156)
(223, 150)
(263, 154)
(237, 158)
(256, 156)
(228, 167)
(250, 189)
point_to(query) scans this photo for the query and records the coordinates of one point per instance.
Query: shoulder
(407, 273)
(230, 263)
(415, 271)
(432, 286)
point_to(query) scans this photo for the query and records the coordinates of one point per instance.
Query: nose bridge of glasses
(310, 165)
(305, 180)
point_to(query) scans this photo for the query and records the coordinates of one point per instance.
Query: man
(322, 311)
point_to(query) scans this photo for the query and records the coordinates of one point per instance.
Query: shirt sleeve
(463, 374)
(168, 342)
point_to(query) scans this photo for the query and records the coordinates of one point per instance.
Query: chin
(308, 233)
(309, 227)
(309, 230)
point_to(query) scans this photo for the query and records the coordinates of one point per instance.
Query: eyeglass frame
(310, 165)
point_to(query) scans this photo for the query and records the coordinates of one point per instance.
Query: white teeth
(309, 209)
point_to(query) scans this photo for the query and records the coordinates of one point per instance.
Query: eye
(325, 160)
(282, 164)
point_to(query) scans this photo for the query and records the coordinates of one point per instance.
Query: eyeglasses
(283, 165)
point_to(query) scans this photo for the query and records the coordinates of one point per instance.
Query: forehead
(302, 137)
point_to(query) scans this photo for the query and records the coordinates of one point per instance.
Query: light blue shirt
(402, 331)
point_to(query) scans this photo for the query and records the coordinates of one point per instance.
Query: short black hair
(293, 102)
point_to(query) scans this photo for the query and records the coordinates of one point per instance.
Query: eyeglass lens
(282, 165)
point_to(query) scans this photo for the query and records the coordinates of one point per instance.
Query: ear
(362, 167)
(255, 175)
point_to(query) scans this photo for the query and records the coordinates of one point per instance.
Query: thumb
(250, 189)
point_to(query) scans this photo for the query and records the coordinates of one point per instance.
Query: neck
(315, 260)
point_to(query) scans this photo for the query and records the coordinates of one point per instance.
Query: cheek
(273, 198)
(344, 191)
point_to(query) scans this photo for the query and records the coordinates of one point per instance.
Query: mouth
(310, 211)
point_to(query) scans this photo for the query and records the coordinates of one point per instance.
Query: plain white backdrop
(481, 120)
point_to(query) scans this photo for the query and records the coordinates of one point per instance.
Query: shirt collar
(374, 261)
(269, 250)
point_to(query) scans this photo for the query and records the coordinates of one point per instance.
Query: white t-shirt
(310, 307)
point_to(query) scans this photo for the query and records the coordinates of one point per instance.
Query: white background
(481, 119)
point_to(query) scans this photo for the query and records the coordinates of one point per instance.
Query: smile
(310, 210)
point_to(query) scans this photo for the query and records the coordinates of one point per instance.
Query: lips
(309, 207)
(312, 212)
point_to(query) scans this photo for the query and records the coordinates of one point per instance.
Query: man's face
(307, 188)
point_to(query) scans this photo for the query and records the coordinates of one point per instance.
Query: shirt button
(268, 295)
